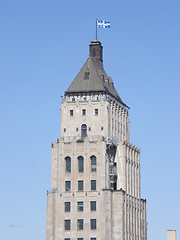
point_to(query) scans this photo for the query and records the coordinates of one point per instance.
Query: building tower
(95, 171)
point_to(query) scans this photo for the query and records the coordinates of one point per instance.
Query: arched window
(83, 131)
(80, 164)
(93, 163)
(68, 164)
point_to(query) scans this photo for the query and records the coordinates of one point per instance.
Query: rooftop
(92, 76)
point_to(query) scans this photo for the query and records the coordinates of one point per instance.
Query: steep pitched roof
(93, 78)
(93, 83)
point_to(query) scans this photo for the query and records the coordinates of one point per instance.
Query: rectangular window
(93, 223)
(93, 185)
(67, 186)
(86, 75)
(96, 111)
(93, 205)
(80, 206)
(93, 238)
(80, 224)
(80, 185)
(67, 224)
(71, 112)
(79, 238)
(83, 112)
(67, 239)
(67, 206)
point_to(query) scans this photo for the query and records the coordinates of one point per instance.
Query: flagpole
(96, 28)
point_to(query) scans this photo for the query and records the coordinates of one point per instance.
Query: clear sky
(43, 45)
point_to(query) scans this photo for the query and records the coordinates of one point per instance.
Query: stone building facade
(95, 171)
(171, 234)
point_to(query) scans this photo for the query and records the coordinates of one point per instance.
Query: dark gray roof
(80, 84)
(95, 83)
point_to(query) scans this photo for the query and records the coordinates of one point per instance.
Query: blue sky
(43, 45)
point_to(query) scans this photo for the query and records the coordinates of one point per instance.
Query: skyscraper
(95, 170)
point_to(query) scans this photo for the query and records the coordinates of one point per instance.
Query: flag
(103, 24)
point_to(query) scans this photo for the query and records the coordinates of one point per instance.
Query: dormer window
(86, 75)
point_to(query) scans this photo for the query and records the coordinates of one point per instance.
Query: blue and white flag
(103, 24)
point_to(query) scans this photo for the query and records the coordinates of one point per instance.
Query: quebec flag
(103, 24)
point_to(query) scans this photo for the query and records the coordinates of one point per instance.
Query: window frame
(93, 208)
(86, 75)
(80, 224)
(71, 112)
(67, 206)
(83, 112)
(80, 185)
(92, 185)
(67, 224)
(93, 224)
(80, 206)
(66, 187)
(80, 164)
(83, 131)
(68, 164)
(96, 111)
(93, 165)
